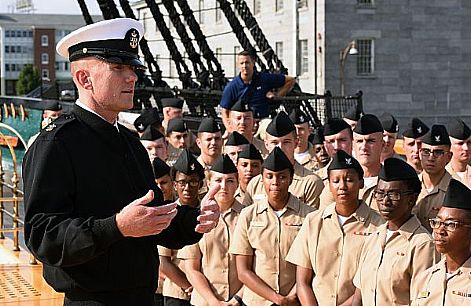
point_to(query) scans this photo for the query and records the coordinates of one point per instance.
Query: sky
(70, 7)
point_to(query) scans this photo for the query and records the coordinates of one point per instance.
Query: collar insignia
(50, 127)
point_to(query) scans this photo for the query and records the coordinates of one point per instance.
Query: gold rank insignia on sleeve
(50, 127)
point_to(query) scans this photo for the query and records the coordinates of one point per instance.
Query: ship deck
(21, 283)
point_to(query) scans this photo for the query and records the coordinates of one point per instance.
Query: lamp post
(350, 49)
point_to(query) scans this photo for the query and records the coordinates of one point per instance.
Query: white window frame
(44, 59)
(365, 56)
(44, 40)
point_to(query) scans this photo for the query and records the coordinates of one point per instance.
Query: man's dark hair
(247, 53)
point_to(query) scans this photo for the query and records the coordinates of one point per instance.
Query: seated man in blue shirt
(253, 86)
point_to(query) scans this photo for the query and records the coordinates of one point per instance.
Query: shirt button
(336, 275)
(332, 296)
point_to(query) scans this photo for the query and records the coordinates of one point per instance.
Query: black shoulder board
(59, 122)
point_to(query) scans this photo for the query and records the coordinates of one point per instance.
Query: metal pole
(16, 212)
(2, 175)
(342, 72)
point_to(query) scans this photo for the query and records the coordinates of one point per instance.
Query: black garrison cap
(241, 106)
(52, 105)
(458, 129)
(277, 161)
(297, 116)
(160, 168)
(389, 123)
(148, 117)
(151, 134)
(342, 160)
(437, 136)
(115, 41)
(176, 125)
(368, 124)
(236, 139)
(281, 125)
(415, 129)
(317, 136)
(209, 125)
(457, 196)
(334, 126)
(251, 152)
(172, 102)
(354, 113)
(395, 169)
(186, 163)
(224, 165)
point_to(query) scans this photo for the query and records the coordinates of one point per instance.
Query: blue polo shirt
(237, 89)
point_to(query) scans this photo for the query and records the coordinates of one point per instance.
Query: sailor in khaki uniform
(249, 165)
(209, 140)
(177, 138)
(304, 152)
(392, 257)
(448, 283)
(208, 265)
(306, 186)
(434, 154)
(390, 127)
(412, 142)
(327, 248)
(241, 119)
(235, 143)
(460, 139)
(188, 177)
(163, 179)
(155, 143)
(337, 136)
(316, 139)
(263, 235)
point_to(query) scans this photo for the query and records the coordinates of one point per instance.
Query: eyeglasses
(435, 153)
(183, 183)
(392, 195)
(450, 226)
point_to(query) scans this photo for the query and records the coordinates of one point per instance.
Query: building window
(365, 57)
(304, 59)
(44, 58)
(7, 33)
(218, 12)
(44, 40)
(18, 49)
(236, 65)
(7, 67)
(7, 49)
(365, 3)
(302, 3)
(278, 5)
(219, 54)
(45, 74)
(279, 50)
(257, 5)
(200, 11)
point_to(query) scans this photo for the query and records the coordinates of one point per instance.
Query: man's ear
(83, 79)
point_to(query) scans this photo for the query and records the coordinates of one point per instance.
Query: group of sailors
(331, 216)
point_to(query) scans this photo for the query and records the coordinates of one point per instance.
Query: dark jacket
(78, 174)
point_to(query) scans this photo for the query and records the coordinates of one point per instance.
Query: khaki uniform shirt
(239, 195)
(322, 173)
(169, 288)
(333, 251)
(204, 188)
(310, 160)
(217, 265)
(306, 186)
(433, 288)
(428, 204)
(265, 236)
(454, 174)
(387, 269)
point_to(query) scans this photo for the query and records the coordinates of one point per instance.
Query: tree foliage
(28, 80)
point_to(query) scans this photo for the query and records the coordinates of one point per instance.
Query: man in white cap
(93, 213)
